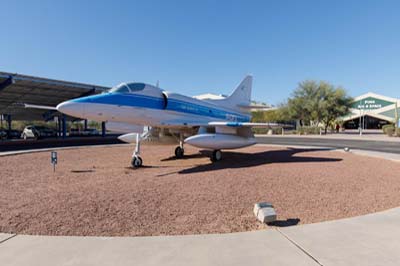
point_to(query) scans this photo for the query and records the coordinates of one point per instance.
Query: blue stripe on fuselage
(136, 100)
(124, 100)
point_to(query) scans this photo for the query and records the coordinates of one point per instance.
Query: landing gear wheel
(136, 162)
(216, 156)
(179, 152)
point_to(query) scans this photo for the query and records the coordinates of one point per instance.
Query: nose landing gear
(136, 161)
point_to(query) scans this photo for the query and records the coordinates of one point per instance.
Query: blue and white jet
(210, 124)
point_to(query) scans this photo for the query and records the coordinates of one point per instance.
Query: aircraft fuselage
(150, 106)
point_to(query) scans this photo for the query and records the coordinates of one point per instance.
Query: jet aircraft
(211, 124)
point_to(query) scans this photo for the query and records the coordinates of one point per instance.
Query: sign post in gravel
(54, 160)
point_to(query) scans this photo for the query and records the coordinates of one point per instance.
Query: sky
(195, 47)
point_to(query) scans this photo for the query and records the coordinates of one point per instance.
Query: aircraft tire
(179, 152)
(136, 162)
(216, 156)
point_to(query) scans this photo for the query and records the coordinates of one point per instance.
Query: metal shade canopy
(17, 90)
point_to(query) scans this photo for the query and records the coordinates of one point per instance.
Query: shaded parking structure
(17, 90)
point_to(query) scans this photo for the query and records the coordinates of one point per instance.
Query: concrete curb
(336, 137)
(375, 154)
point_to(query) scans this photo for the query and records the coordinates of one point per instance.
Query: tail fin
(242, 94)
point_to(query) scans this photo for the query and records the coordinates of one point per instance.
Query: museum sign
(370, 103)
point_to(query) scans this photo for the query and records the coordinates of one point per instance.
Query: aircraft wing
(245, 124)
(182, 124)
(179, 124)
(258, 107)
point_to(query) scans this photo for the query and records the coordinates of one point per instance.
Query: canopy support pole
(103, 129)
(64, 127)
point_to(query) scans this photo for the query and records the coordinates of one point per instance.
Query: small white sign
(54, 157)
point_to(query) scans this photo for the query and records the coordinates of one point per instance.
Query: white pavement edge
(366, 137)
(4, 237)
(266, 247)
(376, 154)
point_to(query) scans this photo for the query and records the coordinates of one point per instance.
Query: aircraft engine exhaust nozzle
(219, 141)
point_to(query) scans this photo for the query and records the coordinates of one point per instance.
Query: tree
(315, 102)
(335, 104)
(304, 102)
(276, 115)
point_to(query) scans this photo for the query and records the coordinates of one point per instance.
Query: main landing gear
(136, 161)
(180, 151)
(216, 156)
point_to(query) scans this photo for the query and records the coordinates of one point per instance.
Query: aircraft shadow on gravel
(240, 160)
(186, 157)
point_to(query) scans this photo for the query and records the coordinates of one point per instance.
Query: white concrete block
(260, 205)
(266, 215)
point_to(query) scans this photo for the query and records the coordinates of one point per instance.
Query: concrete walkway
(372, 239)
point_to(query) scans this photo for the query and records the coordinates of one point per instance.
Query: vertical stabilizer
(242, 94)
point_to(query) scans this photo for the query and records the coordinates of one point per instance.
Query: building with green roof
(372, 111)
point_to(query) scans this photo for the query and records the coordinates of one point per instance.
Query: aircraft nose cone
(72, 108)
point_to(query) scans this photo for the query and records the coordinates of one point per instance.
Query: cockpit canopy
(128, 87)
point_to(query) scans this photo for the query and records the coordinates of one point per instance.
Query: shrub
(260, 130)
(389, 127)
(390, 131)
(386, 127)
(308, 130)
(275, 130)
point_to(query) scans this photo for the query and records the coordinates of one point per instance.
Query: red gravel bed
(95, 192)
